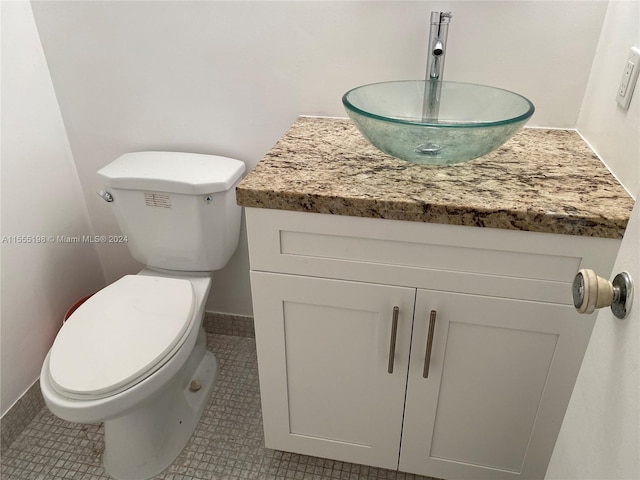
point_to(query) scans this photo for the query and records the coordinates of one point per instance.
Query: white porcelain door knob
(591, 291)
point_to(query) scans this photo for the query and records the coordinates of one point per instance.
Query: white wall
(230, 77)
(600, 435)
(613, 132)
(41, 195)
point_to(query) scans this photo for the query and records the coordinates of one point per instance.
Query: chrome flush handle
(106, 196)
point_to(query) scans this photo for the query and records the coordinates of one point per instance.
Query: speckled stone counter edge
(541, 180)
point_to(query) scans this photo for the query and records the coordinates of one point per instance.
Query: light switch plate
(629, 78)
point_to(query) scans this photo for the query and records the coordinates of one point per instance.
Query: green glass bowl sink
(457, 122)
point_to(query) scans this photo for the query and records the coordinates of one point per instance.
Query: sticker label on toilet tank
(162, 200)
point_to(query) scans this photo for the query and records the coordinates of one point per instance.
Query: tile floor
(228, 443)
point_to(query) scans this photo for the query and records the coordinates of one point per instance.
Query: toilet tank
(177, 210)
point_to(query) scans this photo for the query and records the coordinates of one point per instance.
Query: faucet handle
(438, 18)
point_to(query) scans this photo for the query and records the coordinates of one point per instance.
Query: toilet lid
(121, 335)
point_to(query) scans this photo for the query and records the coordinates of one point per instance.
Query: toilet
(134, 354)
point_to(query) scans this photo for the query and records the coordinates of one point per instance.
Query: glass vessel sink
(436, 123)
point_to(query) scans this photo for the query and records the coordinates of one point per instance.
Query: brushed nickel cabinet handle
(427, 355)
(392, 344)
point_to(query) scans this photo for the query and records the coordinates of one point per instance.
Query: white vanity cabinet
(505, 352)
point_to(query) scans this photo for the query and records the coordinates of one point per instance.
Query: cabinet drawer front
(323, 356)
(503, 263)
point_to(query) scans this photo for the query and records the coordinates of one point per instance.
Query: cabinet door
(499, 382)
(323, 350)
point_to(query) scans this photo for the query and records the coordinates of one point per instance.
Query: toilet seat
(121, 335)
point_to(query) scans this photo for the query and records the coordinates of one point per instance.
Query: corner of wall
(613, 133)
(42, 205)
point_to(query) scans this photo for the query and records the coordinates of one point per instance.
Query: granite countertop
(541, 180)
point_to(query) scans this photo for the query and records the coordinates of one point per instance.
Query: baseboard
(20, 415)
(227, 324)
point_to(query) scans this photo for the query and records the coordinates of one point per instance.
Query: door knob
(591, 291)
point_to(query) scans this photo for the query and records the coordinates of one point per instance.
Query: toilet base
(146, 441)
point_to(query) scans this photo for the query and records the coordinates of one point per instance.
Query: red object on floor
(75, 307)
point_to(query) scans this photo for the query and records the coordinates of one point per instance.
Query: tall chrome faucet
(435, 64)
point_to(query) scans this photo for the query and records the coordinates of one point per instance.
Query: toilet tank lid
(175, 172)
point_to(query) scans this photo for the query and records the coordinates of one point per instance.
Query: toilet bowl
(141, 391)
(134, 354)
